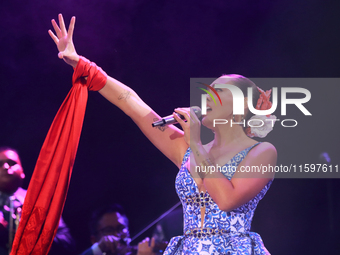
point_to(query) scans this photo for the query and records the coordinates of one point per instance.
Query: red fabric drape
(48, 187)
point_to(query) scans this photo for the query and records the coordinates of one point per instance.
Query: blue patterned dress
(222, 232)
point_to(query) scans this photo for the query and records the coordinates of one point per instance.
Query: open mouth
(209, 109)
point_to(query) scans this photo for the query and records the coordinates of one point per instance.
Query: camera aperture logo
(238, 104)
(211, 95)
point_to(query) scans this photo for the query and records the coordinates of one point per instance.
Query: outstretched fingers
(62, 25)
(61, 31)
(56, 28)
(54, 38)
(63, 40)
(71, 27)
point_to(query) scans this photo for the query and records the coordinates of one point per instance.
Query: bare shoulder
(262, 156)
(263, 150)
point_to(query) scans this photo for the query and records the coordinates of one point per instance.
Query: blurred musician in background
(12, 197)
(110, 234)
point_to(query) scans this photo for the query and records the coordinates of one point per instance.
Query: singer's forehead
(221, 80)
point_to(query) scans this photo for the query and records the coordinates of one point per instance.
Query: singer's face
(11, 172)
(218, 111)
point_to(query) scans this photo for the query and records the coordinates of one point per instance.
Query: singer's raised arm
(169, 140)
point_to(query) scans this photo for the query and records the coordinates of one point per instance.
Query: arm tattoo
(125, 95)
(161, 128)
(197, 153)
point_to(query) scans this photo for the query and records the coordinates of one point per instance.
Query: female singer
(218, 207)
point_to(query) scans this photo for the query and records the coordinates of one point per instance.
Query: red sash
(48, 187)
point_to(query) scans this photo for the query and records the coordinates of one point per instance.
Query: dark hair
(99, 213)
(244, 83)
(7, 148)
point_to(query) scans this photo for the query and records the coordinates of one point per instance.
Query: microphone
(171, 120)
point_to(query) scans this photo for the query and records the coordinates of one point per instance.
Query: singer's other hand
(192, 125)
(63, 40)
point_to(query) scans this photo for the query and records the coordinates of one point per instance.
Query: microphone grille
(197, 111)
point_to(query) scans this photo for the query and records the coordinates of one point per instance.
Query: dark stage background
(156, 47)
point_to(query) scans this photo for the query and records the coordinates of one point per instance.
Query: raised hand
(63, 40)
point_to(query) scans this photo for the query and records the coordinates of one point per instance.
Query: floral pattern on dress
(222, 232)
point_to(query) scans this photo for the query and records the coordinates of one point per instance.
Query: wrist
(196, 146)
(204, 167)
(74, 61)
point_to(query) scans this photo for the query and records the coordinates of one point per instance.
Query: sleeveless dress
(222, 232)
